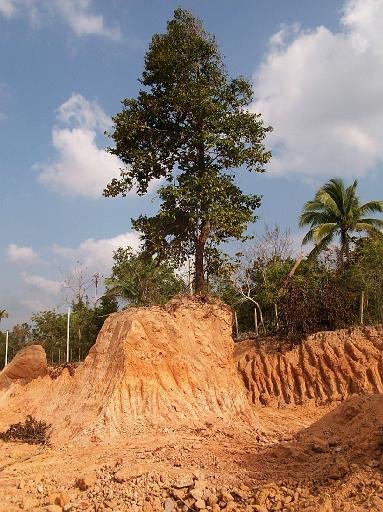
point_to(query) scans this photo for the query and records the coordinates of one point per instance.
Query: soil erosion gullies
(326, 367)
(157, 366)
(28, 364)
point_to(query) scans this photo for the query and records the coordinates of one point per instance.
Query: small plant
(31, 431)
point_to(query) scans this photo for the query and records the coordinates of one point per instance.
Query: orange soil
(159, 401)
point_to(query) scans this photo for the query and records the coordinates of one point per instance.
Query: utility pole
(67, 337)
(6, 347)
(362, 308)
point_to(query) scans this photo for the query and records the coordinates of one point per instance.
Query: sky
(65, 65)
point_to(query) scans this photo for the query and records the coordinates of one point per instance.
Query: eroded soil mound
(28, 364)
(326, 367)
(150, 367)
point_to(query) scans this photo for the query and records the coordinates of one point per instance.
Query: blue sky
(317, 70)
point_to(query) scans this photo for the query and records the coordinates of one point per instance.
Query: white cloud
(81, 167)
(49, 286)
(8, 8)
(82, 21)
(22, 255)
(82, 113)
(97, 255)
(322, 93)
(76, 13)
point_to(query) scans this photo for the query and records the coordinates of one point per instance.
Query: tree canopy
(337, 210)
(189, 125)
(140, 280)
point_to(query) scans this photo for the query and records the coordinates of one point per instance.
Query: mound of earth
(149, 368)
(325, 367)
(28, 364)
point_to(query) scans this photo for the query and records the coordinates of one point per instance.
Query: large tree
(337, 210)
(189, 125)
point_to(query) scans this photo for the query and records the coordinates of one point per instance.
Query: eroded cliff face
(326, 367)
(150, 367)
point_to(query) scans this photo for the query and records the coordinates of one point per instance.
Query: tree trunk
(199, 276)
(344, 242)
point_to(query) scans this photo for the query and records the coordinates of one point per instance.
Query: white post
(67, 337)
(236, 324)
(6, 347)
(362, 308)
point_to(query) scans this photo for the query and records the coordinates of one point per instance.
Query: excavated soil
(28, 364)
(157, 418)
(326, 367)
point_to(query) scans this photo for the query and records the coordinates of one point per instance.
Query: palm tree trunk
(344, 245)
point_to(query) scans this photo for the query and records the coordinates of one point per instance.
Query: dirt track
(315, 446)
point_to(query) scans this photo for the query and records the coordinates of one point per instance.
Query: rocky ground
(290, 466)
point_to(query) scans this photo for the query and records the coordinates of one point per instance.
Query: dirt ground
(163, 417)
(288, 466)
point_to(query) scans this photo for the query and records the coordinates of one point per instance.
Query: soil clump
(28, 364)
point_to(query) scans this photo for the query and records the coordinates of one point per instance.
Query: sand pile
(150, 367)
(326, 367)
(28, 364)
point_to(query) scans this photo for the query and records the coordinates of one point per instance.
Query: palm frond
(371, 207)
(309, 236)
(327, 202)
(336, 191)
(315, 218)
(324, 230)
(376, 223)
(321, 246)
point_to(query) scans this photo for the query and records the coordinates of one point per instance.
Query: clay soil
(300, 440)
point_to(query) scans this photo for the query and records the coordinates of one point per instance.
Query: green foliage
(316, 299)
(336, 210)
(86, 322)
(364, 274)
(323, 294)
(141, 280)
(18, 337)
(189, 125)
(49, 328)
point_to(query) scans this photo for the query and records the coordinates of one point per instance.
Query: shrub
(31, 431)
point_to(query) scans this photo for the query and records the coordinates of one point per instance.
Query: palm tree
(336, 210)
